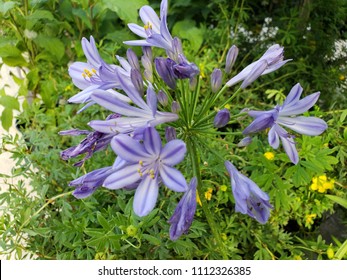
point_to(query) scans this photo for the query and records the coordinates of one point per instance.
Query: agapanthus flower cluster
(153, 124)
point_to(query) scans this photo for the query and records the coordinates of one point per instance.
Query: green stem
(196, 170)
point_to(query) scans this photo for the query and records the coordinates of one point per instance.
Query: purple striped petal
(128, 148)
(138, 30)
(152, 141)
(304, 125)
(173, 152)
(141, 43)
(75, 71)
(260, 123)
(152, 99)
(290, 149)
(149, 16)
(91, 52)
(173, 178)
(273, 138)
(256, 72)
(293, 96)
(110, 102)
(146, 196)
(300, 106)
(122, 177)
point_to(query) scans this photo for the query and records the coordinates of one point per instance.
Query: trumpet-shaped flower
(94, 74)
(285, 115)
(155, 31)
(271, 60)
(249, 198)
(183, 216)
(132, 117)
(148, 163)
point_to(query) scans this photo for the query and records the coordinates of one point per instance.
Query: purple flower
(170, 133)
(249, 198)
(132, 117)
(285, 115)
(245, 142)
(164, 67)
(231, 58)
(94, 142)
(87, 184)
(222, 118)
(155, 31)
(183, 216)
(271, 60)
(148, 163)
(93, 74)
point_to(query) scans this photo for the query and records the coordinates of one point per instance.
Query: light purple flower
(93, 74)
(216, 80)
(87, 184)
(132, 117)
(155, 31)
(285, 115)
(249, 198)
(271, 60)
(148, 163)
(182, 218)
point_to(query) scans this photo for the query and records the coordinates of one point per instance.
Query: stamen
(141, 162)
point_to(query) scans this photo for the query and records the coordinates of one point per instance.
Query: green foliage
(47, 222)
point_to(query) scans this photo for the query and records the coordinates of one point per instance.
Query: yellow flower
(269, 155)
(227, 106)
(322, 184)
(330, 253)
(309, 218)
(198, 199)
(223, 188)
(297, 257)
(208, 194)
(342, 77)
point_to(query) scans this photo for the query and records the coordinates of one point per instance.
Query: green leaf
(337, 199)
(53, 46)
(126, 10)
(343, 116)
(12, 56)
(37, 16)
(342, 251)
(6, 118)
(5, 7)
(83, 16)
(48, 93)
(9, 102)
(103, 222)
(186, 29)
(152, 239)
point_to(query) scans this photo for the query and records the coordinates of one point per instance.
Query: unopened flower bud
(231, 58)
(245, 142)
(222, 118)
(162, 98)
(175, 107)
(170, 133)
(133, 60)
(165, 71)
(216, 80)
(136, 79)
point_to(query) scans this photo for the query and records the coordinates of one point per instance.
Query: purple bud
(216, 80)
(165, 70)
(222, 118)
(146, 61)
(177, 49)
(162, 98)
(175, 107)
(256, 72)
(170, 133)
(133, 60)
(147, 52)
(245, 142)
(137, 81)
(184, 69)
(231, 58)
(74, 132)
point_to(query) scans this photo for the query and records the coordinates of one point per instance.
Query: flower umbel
(249, 198)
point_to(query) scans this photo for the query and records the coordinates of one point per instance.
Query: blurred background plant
(44, 221)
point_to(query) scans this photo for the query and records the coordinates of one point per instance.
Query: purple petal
(304, 125)
(138, 30)
(273, 138)
(152, 141)
(91, 52)
(173, 178)
(260, 123)
(149, 16)
(300, 106)
(110, 102)
(173, 152)
(159, 41)
(122, 177)
(141, 43)
(146, 196)
(75, 71)
(128, 148)
(151, 99)
(256, 72)
(293, 96)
